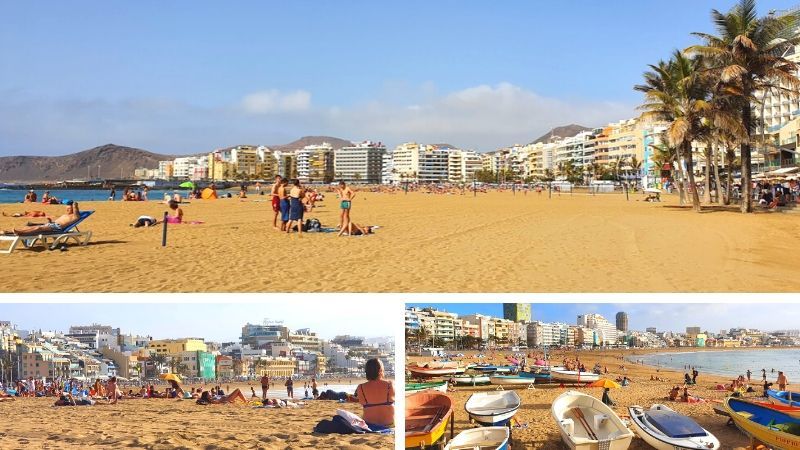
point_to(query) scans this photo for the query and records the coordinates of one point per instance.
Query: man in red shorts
(276, 201)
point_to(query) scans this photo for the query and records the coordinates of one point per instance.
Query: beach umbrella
(187, 184)
(170, 377)
(604, 383)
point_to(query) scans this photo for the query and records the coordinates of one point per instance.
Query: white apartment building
(420, 163)
(544, 334)
(361, 163)
(607, 332)
(462, 165)
(578, 149)
(186, 167)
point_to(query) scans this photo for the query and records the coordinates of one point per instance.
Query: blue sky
(664, 316)
(215, 322)
(189, 76)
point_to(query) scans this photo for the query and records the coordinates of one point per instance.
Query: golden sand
(540, 431)
(162, 424)
(497, 242)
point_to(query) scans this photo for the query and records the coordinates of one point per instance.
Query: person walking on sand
(264, 386)
(748, 375)
(346, 195)
(695, 373)
(290, 388)
(782, 381)
(763, 374)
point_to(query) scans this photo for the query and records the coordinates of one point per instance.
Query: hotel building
(361, 163)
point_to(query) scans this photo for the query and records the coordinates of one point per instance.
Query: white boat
(440, 386)
(511, 380)
(492, 408)
(486, 438)
(664, 429)
(586, 423)
(471, 380)
(573, 376)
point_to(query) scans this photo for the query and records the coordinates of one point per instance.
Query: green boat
(440, 386)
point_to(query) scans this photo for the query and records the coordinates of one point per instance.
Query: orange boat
(427, 416)
(793, 411)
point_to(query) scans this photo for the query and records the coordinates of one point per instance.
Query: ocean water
(731, 363)
(79, 195)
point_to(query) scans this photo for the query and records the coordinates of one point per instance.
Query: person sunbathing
(354, 229)
(207, 399)
(71, 216)
(27, 214)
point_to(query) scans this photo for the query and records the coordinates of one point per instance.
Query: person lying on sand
(145, 221)
(354, 229)
(27, 214)
(207, 399)
(52, 226)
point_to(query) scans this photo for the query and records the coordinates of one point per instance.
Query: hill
(562, 131)
(312, 140)
(110, 159)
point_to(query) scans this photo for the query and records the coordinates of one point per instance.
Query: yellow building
(219, 169)
(176, 346)
(274, 366)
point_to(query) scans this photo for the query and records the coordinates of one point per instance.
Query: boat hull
(658, 440)
(574, 377)
(495, 438)
(426, 430)
(741, 413)
(606, 430)
(471, 380)
(490, 409)
(411, 388)
(511, 380)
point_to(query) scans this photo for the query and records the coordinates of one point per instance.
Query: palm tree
(747, 57)
(676, 92)
(636, 166)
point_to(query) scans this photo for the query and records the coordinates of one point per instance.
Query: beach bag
(313, 225)
(338, 425)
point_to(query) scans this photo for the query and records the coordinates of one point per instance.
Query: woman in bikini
(377, 397)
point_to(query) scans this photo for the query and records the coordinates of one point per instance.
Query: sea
(80, 195)
(731, 363)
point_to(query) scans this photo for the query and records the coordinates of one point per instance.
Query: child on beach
(111, 390)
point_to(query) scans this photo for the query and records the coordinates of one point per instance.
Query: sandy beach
(497, 242)
(539, 430)
(33, 423)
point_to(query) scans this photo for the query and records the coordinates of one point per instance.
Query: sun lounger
(58, 238)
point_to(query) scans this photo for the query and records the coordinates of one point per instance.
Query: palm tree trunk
(679, 178)
(687, 148)
(729, 159)
(747, 200)
(707, 190)
(715, 158)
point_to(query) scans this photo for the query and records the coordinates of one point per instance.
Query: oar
(582, 419)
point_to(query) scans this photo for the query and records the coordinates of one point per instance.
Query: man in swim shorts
(276, 201)
(264, 386)
(71, 216)
(346, 195)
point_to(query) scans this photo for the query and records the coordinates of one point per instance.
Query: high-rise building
(315, 163)
(420, 163)
(361, 163)
(622, 321)
(517, 312)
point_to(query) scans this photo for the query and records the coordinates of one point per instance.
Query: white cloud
(274, 101)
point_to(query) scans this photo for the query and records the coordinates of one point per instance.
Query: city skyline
(212, 322)
(711, 317)
(191, 80)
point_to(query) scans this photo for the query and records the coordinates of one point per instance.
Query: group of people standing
(291, 200)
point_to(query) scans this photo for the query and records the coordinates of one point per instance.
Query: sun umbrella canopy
(170, 377)
(187, 184)
(604, 383)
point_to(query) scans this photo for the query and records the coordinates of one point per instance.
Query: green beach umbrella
(187, 184)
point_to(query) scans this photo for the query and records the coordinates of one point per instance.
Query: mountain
(110, 159)
(562, 131)
(312, 140)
